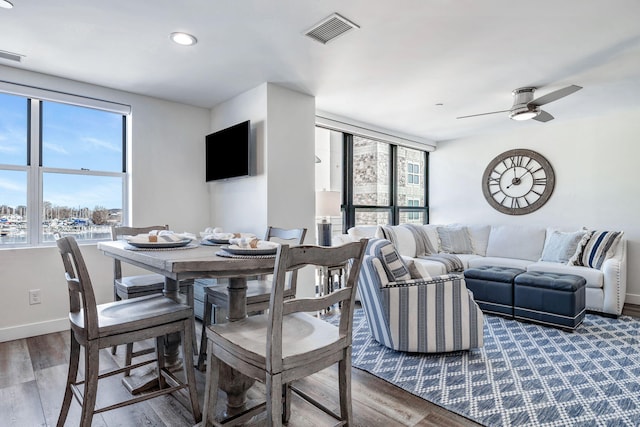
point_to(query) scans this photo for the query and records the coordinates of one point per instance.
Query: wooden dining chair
(94, 327)
(125, 287)
(216, 297)
(286, 343)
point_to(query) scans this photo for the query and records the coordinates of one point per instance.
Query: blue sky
(73, 138)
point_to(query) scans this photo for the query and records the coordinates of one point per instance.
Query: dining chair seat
(286, 343)
(97, 326)
(216, 297)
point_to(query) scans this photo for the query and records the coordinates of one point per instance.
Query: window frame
(35, 172)
(349, 209)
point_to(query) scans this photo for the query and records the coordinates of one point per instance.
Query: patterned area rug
(526, 375)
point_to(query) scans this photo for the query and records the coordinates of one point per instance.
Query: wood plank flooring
(33, 373)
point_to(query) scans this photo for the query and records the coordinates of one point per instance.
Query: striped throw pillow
(391, 260)
(600, 246)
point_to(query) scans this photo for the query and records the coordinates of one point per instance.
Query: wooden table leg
(233, 383)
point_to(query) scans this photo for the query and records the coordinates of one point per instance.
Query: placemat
(228, 255)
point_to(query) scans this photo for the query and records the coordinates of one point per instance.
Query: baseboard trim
(34, 329)
(633, 299)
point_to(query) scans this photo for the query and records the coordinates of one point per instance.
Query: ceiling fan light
(524, 114)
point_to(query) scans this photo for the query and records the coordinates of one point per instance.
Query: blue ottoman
(550, 298)
(492, 288)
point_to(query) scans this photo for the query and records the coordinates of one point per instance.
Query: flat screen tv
(229, 153)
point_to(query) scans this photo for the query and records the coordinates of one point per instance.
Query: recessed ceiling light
(183, 39)
(6, 4)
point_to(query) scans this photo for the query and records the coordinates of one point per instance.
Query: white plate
(218, 241)
(149, 245)
(237, 250)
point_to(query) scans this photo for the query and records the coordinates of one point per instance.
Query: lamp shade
(328, 203)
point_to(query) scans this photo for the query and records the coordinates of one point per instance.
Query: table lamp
(327, 205)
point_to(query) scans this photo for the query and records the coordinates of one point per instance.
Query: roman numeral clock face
(518, 182)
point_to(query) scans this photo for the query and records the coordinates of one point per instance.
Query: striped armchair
(425, 315)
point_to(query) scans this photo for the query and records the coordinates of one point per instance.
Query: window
(383, 183)
(62, 168)
(413, 216)
(413, 173)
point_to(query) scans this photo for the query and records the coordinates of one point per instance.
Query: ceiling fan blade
(483, 114)
(543, 117)
(560, 93)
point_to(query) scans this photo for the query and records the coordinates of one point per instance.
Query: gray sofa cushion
(455, 240)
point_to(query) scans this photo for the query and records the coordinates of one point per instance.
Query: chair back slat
(291, 237)
(316, 304)
(295, 235)
(81, 295)
(293, 258)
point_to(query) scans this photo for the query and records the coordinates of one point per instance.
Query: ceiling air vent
(330, 28)
(10, 56)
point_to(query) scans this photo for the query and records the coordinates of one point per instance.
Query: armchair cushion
(418, 271)
(391, 260)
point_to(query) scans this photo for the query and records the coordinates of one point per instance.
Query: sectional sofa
(599, 256)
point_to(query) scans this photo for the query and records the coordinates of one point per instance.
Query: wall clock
(518, 182)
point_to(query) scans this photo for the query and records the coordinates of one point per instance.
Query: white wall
(595, 163)
(291, 159)
(240, 204)
(167, 152)
(282, 193)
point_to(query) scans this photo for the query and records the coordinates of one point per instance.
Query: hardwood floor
(33, 373)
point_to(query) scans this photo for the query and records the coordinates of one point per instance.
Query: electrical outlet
(34, 297)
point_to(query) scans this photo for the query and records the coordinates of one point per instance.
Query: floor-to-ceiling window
(381, 182)
(62, 169)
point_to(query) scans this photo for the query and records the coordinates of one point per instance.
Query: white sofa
(528, 248)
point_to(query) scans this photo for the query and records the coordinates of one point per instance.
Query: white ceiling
(407, 57)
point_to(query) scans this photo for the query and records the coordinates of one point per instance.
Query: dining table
(195, 261)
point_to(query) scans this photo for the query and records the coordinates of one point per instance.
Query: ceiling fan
(525, 107)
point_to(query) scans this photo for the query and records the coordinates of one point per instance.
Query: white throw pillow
(401, 237)
(479, 235)
(561, 246)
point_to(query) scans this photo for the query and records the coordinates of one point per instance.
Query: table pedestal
(232, 382)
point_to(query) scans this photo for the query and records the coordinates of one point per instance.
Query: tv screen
(229, 153)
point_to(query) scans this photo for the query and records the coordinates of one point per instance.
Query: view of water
(14, 235)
